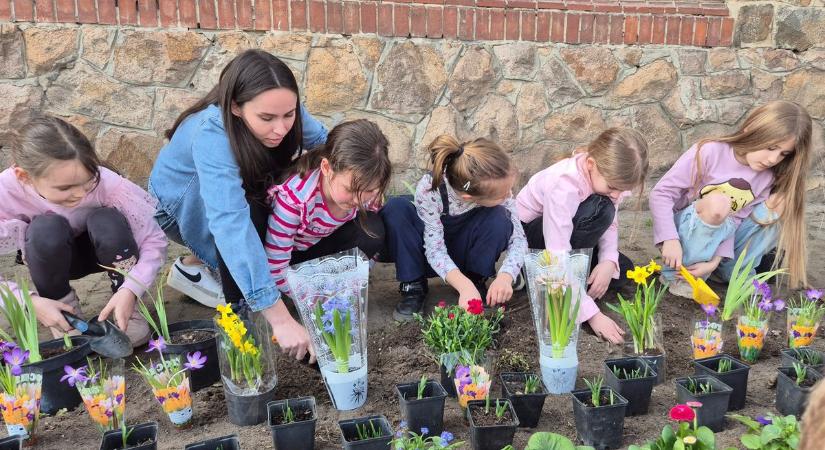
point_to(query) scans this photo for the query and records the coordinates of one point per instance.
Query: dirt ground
(396, 354)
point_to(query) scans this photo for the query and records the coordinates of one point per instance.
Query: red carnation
(475, 306)
(682, 413)
(442, 304)
(451, 316)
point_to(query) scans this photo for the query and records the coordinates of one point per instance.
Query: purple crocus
(158, 344)
(766, 305)
(73, 375)
(813, 294)
(194, 361)
(16, 358)
(763, 289)
(709, 309)
(764, 420)
(778, 304)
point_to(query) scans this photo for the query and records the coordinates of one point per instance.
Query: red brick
(686, 31)
(608, 8)
(418, 21)
(450, 22)
(5, 10)
(226, 14)
(148, 14)
(86, 11)
(263, 15)
(44, 11)
(245, 14)
(460, 2)
(335, 16)
(491, 3)
(714, 31)
(431, 2)
(168, 10)
(727, 32)
(674, 24)
(497, 24)
(659, 24)
(586, 32)
(369, 12)
(127, 10)
(631, 29)
(280, 14)
(720, 11)
(435, 28)
(207, 15)
(601, 29)
(700, 32)
(511, 24)
(689, 8)
(385, 19)
(401, 20)
(557, 26)
(645, 29)
(106, 12)
(352, 18)
(466, 23)
(528, 25)
(545, 4)
(543, 26)
(23, 10)
(616, 28)
(482, 24)
(574, 5)
(65, 11)
(298, 15)
(571, 29)
(527, 4)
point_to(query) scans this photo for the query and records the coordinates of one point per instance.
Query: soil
(604, 400)
(397, 355)
(47, 353)
(489, 419)
(300, 416)
(190, 336)
(517, 388)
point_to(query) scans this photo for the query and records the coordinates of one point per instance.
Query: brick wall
(696, 23)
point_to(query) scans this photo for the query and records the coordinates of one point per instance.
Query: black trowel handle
(82, 326)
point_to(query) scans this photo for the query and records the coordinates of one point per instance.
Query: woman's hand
(290, 335)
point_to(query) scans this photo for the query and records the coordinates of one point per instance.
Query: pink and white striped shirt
(300, 218)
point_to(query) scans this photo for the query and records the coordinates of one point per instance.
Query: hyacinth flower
(335, 320)
(707, 334)
(804, 316)
(102, 388)
(561, 311)
(20, 400)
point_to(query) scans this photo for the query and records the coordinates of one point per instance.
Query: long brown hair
(249, 74)
(769, 125)
(620, 155)
(470, 167)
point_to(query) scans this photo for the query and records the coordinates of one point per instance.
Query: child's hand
(466, 295)
(48, 312)
(500, 290)
(123, 305)
(606, 328)
(599, 278)
(703, 269)
(672, 253)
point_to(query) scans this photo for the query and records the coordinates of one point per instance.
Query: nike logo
(193, 278)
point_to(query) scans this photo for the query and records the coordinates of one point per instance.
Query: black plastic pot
(349, 433)
(736, 377)
(11, 443)
(245, 410)
(211, 372)
(224, 443)
(447, 381)
(657, 363)
(492, 437)
(637, 391)
(527, 406)
(425, 413)
(791, 399)
(295, 435)
(56, 395)
(601, 427)
(714, 404)
(113, 439)
(789, 357)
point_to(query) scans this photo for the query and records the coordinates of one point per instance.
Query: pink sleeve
(559, 207)
(609, 244)
(587, 308)
(673, 188)
(139, 209)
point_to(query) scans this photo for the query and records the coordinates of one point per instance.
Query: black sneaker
(413, 297)
(520, 282)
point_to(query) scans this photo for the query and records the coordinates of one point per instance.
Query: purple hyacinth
(74, 376)
(16, 358)
(194, 361)
(158, 344)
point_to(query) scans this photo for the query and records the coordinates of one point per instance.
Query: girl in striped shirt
(313, 211)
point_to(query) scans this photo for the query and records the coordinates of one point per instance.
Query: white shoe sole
(177, 282)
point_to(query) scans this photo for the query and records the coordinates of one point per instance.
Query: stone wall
(123, 86)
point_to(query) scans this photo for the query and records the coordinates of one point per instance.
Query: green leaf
(747, 421)
(706, 436)
(549, 441)
(770, 432)
(750, 441)
(667, 434)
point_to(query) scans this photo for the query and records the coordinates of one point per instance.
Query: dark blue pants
(474, 240)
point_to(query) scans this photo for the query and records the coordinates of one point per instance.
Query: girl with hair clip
(462, 218)
(66, 215)
(744, 190)
(573, 204)
(211, 182)
(313, 211)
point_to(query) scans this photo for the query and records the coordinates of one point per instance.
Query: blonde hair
(470, 167)
(768, 125)
(620, 155)
(813, 433)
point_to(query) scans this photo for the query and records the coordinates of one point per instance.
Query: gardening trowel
(105, 338)
(702, 293)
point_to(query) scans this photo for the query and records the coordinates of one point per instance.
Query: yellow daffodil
(653, 267)
(638, 275)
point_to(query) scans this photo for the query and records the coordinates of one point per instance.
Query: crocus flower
(16, 358)
(765, 304)
(194, 361)
(764, 420)
(709, 309)
(73, 375)
(158, 344)
(682, 413)
(763, 289)
(778, 304)
(813, 294)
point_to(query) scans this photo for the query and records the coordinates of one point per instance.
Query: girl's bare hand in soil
(599, 279)
(49, 312)
(672, 253)
(291, 336)
(501, 289)
(123, 305)
(606, 328)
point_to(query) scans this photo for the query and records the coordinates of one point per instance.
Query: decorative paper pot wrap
(472, 378)
(706, 339)
(801, 330)
(331, 295)
(104, 392)
(21, 405)
(557, 280)
(750, 336)
(174, 397)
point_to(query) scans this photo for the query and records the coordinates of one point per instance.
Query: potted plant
(707, 334)
(730, 371)
(21, 393)
(599, 413)
(640, 316)
(712, 394)
(492, 424)
(366, 433)
(407, 439)
(804, 355)
(793, 384)
(292, 422)
(422, 404)
(331, 295)
(769, 432)
(557, 282)
(220, 443)
(247, 364)
(11, 443)
(472, 380)
(169, 380)
(50, 356)
(688, 436)
(804, 316)
(143, 436)
(633, 379)
(526, 393)
(102, 386)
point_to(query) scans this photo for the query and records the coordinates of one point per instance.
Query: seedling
(289, 416)
(421, 385)
(67, 342)
(699, 388)
(595, 387)
(367, 432)
(724, 366)
(808, 357)
(501, 407)
(531, 384)
(801, 372)
(640, 372)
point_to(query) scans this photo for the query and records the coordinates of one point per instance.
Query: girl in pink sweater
(65, 216)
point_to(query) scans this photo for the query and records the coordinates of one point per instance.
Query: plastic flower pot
(331, 295)
(736, 377)
(797, 355)
(427, 412)
(600, 426)
(174, 398)
(801, 331)
(488, 432)
(208, 346)
(141, 437)
(636, 390)
(299, 434)
(654, 355)
(21, 407)
(11, 443)
(750, 336)
(447, 380)
(224, 443)
(103, 391)
(527, 406)
(349, 433)
(57, 395)
(473, 381)
(714, 404)
(706, 339)
(792, 398)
